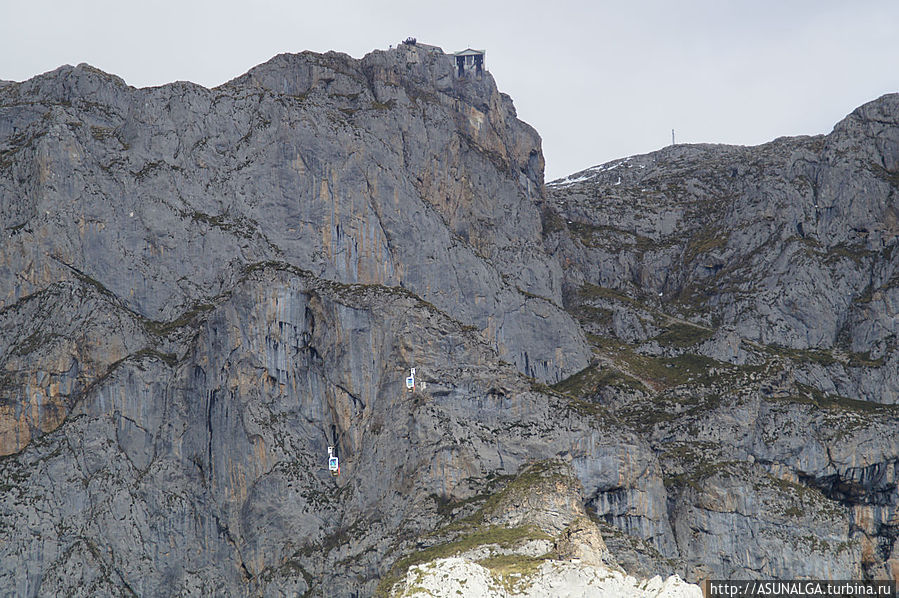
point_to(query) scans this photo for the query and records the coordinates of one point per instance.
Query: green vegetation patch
(802, 499)
(692, 299)
(526, 483)
(551, 221)
(704, 243)
(170, 359)
(102, 133)
(93, 282)
(505, 537)
(592, 291)
(790, 499)
(821, 357)
(591, 379)
(702, 470)
(667, 372)
(864, 360)
(475, 529)
(238, 225)
(688, 463)
(164, 328)
(448, 507)
(690, 451)
(825, 358)
(383, 105)
(596, 235)
(661, 372)
(681, 335)
(513, 571)
(584, 232)
(594, 315)
(882, 173)
(812, 396)
(645, 415)
(607, 344)
(857, 253)
(508, 563)
(421, 95)
(345, 96)
(35, 341)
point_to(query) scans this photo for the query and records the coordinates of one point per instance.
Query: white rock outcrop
(458, 576)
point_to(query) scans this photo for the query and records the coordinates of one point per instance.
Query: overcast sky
(599, 80)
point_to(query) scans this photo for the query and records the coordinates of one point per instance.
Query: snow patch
(590, 173)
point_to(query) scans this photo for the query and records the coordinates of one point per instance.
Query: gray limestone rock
(201, 290)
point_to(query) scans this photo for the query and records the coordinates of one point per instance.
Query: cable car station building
(469, 62)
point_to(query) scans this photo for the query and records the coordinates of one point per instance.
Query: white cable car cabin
(410, 381)
(333, 463)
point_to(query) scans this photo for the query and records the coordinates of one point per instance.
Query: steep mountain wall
(201, 290)
(381, 171)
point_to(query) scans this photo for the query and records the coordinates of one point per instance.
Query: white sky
(599, 80)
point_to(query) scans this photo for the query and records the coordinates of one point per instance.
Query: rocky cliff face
(201, 290)
(742, 304)
(381, 171)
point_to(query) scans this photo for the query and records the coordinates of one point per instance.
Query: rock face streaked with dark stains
(203, 289)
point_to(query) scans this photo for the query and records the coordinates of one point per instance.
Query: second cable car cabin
(333, 463)
(410, 381)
